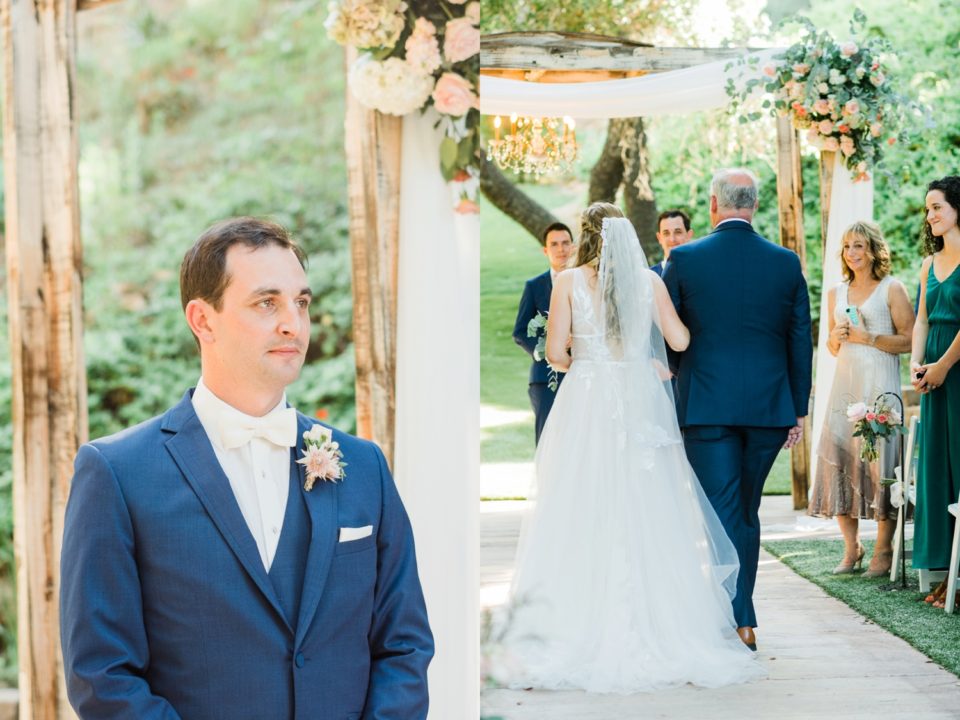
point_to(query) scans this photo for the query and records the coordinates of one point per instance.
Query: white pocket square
(348, 534)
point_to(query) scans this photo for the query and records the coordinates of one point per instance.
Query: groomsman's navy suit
(536, 298)
(168, 612)
(658, 268)
(745, 378)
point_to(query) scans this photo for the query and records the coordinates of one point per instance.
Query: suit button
(299, 660)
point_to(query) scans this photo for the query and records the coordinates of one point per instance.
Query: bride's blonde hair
(591, 223)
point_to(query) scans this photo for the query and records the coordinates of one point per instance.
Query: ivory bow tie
(279, 427)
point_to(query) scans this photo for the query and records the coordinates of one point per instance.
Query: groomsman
(218, 562)
(744, 380)
(673, 228)
(558, 247)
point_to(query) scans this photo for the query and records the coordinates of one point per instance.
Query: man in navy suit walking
(673, 228)
(558, 247)
(744, 380)
(232, 558)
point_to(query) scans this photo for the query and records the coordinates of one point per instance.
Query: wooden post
(827, 160)
(45, 317)
(790, 202)
(373, 175)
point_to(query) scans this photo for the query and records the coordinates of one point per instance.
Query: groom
(744, 381)
(203, 576)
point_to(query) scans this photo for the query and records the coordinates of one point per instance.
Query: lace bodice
(587, 322)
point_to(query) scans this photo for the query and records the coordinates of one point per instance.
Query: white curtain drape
(849, 201)
(677, 92)
(437, 463)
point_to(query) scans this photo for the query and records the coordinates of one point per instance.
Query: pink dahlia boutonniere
(322, 457)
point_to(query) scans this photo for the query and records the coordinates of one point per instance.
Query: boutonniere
(322, 457)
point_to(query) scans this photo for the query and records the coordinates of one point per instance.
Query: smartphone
(851, 313)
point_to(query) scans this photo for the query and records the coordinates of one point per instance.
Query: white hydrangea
(390, 86)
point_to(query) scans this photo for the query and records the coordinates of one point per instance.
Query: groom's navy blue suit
(745, 378)
(168, 612)
(536, 298)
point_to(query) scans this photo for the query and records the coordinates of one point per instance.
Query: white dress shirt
(258, 470)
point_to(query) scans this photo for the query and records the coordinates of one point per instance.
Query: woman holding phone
(871, 323)
(933, 372)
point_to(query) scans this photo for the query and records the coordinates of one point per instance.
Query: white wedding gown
(624, 574)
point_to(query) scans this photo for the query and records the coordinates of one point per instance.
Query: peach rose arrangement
(840, 93)
(416, 54)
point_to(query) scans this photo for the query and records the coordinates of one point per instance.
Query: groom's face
(258, 339)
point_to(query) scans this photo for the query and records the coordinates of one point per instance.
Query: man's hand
(794, 435)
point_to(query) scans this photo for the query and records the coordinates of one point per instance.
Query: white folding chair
(953, 509)
(906, 476)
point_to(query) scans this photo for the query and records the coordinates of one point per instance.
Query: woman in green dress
(936, 376)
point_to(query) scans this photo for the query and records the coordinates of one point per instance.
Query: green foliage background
(189, 113)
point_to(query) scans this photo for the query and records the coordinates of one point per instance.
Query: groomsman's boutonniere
(322, 457)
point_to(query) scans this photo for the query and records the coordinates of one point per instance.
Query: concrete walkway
(824, 660)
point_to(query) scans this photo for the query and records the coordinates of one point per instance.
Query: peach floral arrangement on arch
(840, 93)
(414, 54)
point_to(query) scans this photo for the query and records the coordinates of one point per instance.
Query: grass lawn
(509, 257)
(901, 612)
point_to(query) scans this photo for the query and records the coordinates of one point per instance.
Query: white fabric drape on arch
(677, 92)
(849, 202)
(437, 463)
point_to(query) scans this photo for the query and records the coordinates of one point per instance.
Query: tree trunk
(512, 201)
(625, 161)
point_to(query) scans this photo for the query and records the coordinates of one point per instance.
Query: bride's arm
(559, 321)
(674, 331)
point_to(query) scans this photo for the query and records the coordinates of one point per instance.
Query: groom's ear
(198, 313)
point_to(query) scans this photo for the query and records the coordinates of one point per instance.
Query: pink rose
(453, 95)
(831, 144)
(856, 411)
(871, 416)
(848, 49)
(846, 146)
(851, 108)
(821, 106)
(881, 418)
(801, 69)
(877, 79)
(769, 70)
(473, 12)
(467, 207)
(876, 128)
(825, 127)
(461, 40)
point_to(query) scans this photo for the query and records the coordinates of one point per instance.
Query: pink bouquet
(872, 424)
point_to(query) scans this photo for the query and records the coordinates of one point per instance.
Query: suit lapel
(194, 455)
(321, 504)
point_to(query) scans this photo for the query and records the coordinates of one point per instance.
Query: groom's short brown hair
(203, 272)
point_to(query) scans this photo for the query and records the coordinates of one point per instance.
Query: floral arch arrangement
(413, 55)
(840, 93)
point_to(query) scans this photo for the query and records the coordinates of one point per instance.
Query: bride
(624, 574)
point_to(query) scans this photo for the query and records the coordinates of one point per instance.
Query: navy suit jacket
(658, 268)
(536, 297)
(167, 611)
(745, 301)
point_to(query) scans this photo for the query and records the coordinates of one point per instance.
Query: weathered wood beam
(91, 4)
(564, 51)
(43, 254)
(561, 76)
(373, 174)
(790, 203)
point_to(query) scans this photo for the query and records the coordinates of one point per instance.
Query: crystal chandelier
(534, 146)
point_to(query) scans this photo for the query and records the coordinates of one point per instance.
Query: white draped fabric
(849, 201)
(437, 461)
(677, 92)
